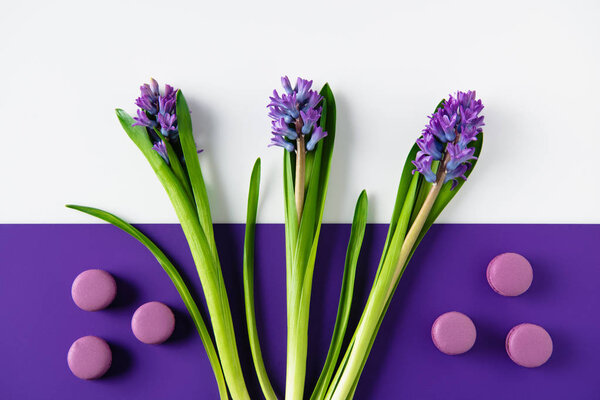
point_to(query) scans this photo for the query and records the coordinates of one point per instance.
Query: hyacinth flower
(304, 126)
(436, 168)
(162, 130)
(294, 127)
(302, 118)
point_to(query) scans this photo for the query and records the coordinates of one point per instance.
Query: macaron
(509, 274)
(529, 345)
(453, 333)
(153, 323)
(93, 290)
(89, 357)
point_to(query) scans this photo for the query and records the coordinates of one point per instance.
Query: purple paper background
(39, 320)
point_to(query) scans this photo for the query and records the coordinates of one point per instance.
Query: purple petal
(423, 163)
(429, 145)
(282, 129)
(303, 89)
(456, 174)
(281, 142)
(287, 86)
(317, 134)
(161, 149)
(309, 118)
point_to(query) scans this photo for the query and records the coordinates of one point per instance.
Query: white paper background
(66, 65)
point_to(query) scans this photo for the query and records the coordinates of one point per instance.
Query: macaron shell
(509, 274)
(89, 357)
(529, 345)
(153, 323)
(93, 290)
(453, 333)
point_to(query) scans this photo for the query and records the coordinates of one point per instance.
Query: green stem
(200, 242)
(378, 299)
(297, 335)
(300, 175)
(216, 300)
(213, 286)
(296, 362)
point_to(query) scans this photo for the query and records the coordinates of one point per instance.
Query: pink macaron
(453, 333)
(89, 357)
(93, 290)
(509, 274)
(529, 345)
(153, 323)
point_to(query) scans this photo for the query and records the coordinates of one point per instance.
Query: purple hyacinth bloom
(281, 142)
(455, 174)
(303, 89)
(295, 113)
(148, 100)
(309, 118)
(158, 113)
(287, 86)
(429, 145)
(157, 110)
(161, 149)
(458, 155)
(166, 104)
(286, 103)
(168, 124)
(318, 134)
(447, 136)
(143, 120)
(280, 128)
(422, 163)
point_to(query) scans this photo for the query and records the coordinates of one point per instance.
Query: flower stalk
(299, 118)
(162, 130)
(300, 176)
(444, 155)
(377, 304)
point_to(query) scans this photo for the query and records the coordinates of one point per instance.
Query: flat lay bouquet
(304, 126)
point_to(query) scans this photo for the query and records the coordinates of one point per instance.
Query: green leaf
(315, 198)
(405, 179)
(310, 228)
(177, 280)
(259, 365)
(405, 214)
(314, 204)
(303, 249)
(207, 264)
(328, 119)
(388, 262)
(190, 154)
(139, 136)
(291, 221)
(357, 233)
(403, 186)
(444, 197)
(306, 231)
(176, 164)
(300, 288)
